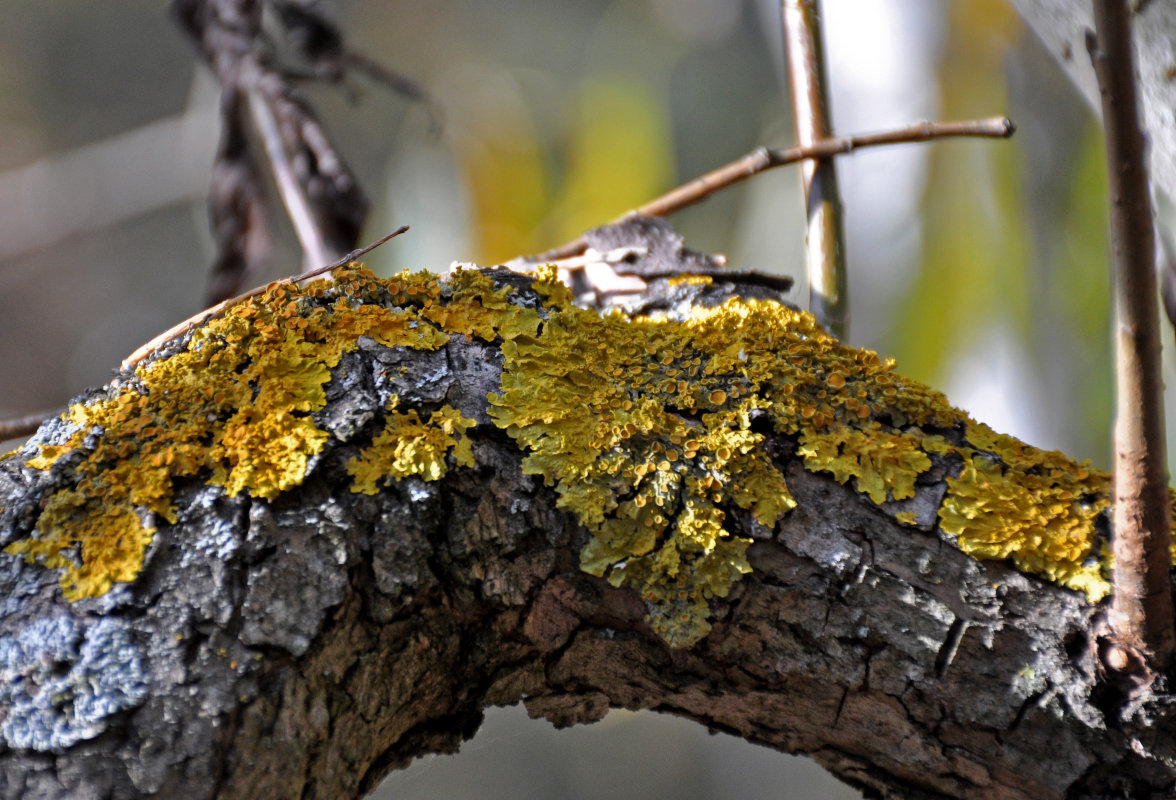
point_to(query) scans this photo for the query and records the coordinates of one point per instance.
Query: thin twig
(1141, 609)
(27, 425)
(400, 84)
(179, 330)
(825, 235)
(324, 48)
(314, 246)
(764, 158)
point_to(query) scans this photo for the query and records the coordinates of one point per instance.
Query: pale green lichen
(650, 431)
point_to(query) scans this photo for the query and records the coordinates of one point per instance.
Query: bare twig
(1141, 610)
(24, 426)
(825, 236)
(764, 158)
(191, 322)
(315, 249)
(315, 182)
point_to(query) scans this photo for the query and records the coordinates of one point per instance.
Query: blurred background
(979, 265)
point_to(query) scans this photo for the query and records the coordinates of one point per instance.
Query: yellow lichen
(1034, 507)
(691, 280)
(46, 458)
(652, 433)
(605, 406)
(410, 446)
(883, 463)
(235, 404)
(645, 428)
(476, 308)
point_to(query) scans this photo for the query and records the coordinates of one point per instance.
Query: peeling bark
(306, 646)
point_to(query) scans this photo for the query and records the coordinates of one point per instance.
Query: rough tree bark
(305, 645)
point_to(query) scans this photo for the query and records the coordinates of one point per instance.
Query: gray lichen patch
(61, 681)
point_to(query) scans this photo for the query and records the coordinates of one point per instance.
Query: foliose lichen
(409, 445)
(60, 682)
(644, 428)
(1034, 507)
(649, 430)
(235, 405)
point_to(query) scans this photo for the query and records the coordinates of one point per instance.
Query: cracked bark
(307, 646)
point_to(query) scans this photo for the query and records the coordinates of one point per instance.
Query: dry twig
(764, 158)
(825, 235)
(1141, 609)
(191, 322)
(326, 205)
(315, 249)
(24, 426)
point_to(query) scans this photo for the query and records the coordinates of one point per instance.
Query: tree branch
(16, 427)
(1142, 615)
(300, 640)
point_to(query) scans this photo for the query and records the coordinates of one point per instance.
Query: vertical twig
(828, 285)
(315, 250)
(1141, 610)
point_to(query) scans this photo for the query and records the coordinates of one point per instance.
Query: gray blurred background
(979, 265)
